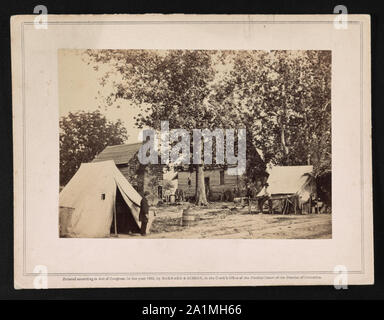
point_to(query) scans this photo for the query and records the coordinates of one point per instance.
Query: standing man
(144, 214)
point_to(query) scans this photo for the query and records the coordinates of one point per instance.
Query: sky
(79, 91)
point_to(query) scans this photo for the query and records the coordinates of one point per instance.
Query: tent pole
(114, 216)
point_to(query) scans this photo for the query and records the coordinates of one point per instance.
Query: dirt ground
(227, 221)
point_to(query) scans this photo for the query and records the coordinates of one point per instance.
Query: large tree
(82, 136)
(284, 100)
(171, 85)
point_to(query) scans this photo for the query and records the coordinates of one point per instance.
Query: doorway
(125, 221)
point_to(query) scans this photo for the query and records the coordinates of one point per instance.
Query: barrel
(189, 218)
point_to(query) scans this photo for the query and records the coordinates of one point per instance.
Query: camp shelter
(292, 184)
(96, 194)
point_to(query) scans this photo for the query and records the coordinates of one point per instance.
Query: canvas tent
(290, 182)
(93, 197)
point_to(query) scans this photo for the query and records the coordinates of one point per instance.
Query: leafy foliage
(282, 98)
(82, 136)
(172, 85)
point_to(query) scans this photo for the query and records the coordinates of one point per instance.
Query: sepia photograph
(214, 144)
(218, 150)
(191, 158)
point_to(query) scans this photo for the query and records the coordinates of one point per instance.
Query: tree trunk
(201, 197)
(284, 144)
(306, 137)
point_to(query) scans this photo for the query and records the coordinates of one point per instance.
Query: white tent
(289, 180)
(92, 194)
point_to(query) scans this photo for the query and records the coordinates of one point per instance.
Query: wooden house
(217, 181)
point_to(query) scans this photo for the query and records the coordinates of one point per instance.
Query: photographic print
(218, 150)
(241, 143)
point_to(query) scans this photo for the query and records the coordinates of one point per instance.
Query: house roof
(286, 179)
(121, 154)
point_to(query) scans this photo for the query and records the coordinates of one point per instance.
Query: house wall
(230, 181)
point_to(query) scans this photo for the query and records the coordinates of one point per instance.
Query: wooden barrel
(189, 218)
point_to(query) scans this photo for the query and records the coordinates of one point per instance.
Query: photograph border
(362, 271)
